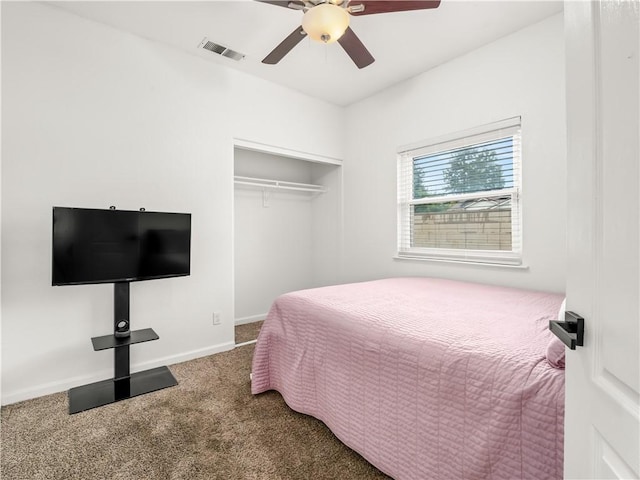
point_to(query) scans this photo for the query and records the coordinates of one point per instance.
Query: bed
(425, 378)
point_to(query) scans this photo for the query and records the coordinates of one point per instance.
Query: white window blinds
(459, 196)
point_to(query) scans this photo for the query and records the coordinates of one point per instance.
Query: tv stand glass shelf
(111, 341)
(124, 384)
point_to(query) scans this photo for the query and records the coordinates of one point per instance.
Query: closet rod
(268, 183)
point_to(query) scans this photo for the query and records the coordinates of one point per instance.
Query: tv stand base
(124, 384)
(113, 390)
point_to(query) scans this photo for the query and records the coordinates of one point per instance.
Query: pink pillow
(555, 353)
(555, 348)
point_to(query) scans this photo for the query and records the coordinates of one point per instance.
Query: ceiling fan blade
(355, 49)
(387, 6)
(295, 4)
(285, 46)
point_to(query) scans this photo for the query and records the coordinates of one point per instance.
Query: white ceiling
(404, 44)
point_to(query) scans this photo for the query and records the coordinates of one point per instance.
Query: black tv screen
(108, 246)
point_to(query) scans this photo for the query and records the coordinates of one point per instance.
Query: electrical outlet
(216, 318)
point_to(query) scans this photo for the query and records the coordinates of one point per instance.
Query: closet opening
(287, 225)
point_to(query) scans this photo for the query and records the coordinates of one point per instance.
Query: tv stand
(124, 384)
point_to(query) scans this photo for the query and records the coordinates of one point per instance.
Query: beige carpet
(207, 427)
(248, 331)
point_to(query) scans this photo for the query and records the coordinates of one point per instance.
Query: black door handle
(571, 331)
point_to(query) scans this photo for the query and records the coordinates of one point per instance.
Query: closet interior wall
(284, 239)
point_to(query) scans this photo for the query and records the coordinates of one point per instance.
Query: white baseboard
(250, 319)
(64, 385)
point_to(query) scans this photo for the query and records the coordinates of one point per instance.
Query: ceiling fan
(328, 21)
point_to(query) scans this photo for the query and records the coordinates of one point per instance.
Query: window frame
(511, 127)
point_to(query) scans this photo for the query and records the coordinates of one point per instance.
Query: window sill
(460, 262)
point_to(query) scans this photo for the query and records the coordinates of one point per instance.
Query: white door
(602, 426)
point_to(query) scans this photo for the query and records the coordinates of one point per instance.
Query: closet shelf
(278, 184)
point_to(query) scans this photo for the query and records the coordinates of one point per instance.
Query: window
(459, 196)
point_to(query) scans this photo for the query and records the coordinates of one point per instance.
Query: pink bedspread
(425, 378)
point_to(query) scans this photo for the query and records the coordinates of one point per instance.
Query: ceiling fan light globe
(325, 23)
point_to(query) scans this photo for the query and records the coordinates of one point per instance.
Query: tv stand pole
(124, 384)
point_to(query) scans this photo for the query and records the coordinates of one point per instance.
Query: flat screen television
(111, 246)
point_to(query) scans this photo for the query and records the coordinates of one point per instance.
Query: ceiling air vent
(220, 50)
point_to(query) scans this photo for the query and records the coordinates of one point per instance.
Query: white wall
(327, 225)
(93, 117)
(522, 74)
